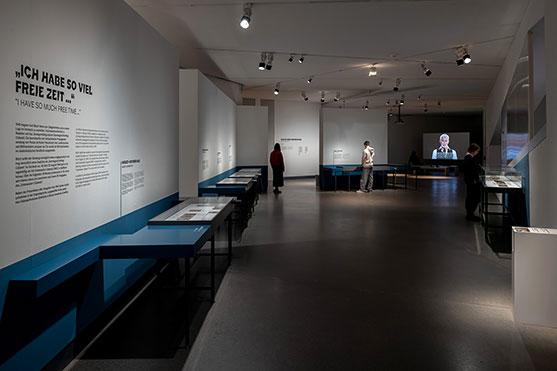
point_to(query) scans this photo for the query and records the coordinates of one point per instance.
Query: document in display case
(195, 210)
(501, 178)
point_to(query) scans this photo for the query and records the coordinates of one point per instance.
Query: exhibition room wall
(540, 165)
(296, 128)
(89, 134)
(408, 136)
(345, 130)
(207, 131)
(251, 134)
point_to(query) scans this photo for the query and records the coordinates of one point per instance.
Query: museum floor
(391, 280)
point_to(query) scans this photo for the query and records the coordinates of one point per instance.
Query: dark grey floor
(390, 280)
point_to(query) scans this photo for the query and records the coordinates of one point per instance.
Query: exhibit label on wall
(80, 130)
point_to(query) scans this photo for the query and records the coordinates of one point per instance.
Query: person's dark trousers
(473, 196)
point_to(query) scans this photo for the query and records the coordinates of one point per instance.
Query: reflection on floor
(395, 279)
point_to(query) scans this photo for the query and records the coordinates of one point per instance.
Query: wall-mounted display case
(501, 178)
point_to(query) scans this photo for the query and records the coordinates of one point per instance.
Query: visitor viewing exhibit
(261, 185)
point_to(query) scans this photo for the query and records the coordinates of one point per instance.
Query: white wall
(207, 131)
(216, 130)
(542, 159)
(252, 135)
(133, 74)
(297, 130)
(344, 131)
(189, 141)
(499, 91)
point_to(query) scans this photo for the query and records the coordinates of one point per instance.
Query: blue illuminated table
(213, 211)
(158, 242)
(164, 242)
(234, 182)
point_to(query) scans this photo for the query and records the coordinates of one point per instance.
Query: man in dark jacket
(472, 170)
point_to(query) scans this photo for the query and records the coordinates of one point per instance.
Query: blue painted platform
(158, 242)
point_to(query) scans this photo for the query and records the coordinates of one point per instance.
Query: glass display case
(501, 178)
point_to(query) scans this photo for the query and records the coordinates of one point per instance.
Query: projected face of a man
(444, 141)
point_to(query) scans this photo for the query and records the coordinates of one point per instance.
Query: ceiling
(340, 40)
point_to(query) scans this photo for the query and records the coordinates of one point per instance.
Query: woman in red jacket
(277, 163)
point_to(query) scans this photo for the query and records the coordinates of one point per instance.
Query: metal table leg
(229, 240)
(186, 294)
(213, 268)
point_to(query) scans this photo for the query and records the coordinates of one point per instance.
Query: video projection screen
(445, 146)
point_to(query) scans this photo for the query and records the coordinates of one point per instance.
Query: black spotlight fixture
(426, 70)
(337, 97)
(310, 79)
(322, 97)
(462, 56)
(301, 60)
(366, 107)
(467, 58)
(402, 100)
(246, 18)
(397, 84)
(425, 108)
(269, 64)
(263, 60)
(291, 59)
(277, 89)
(304, 95)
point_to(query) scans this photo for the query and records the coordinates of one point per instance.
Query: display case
(501, 178)
(502, 206)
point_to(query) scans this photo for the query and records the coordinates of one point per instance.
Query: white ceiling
(340, 40)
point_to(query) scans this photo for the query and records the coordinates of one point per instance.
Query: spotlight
(426, 70)
(337, 97)
(388, 102)
(305, 96)
(439, 103)
(301, 60)
(425, 108)
(366, 107)
(277, 87)
(381, 82)
(310, 79)
(246, 18)
(372, 71)
(322, 97)
(269, 64)
(402, 100)
(419, 97)
(262, 63)
(397, 84)
(467, 58)
(291, 59)
(462, 56)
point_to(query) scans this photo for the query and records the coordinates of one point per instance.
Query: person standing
(472, 170)
(277, 164)
(366, 181)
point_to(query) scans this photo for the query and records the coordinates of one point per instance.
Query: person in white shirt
(366, 181)
(444, 152)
